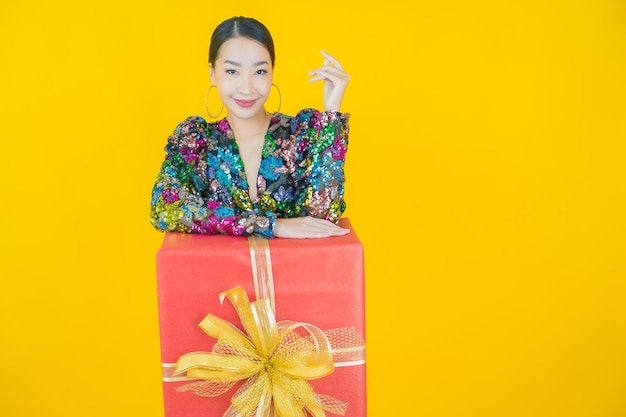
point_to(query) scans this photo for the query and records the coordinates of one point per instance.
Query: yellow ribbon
(274, 359)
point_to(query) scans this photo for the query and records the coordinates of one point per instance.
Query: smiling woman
(254, 172)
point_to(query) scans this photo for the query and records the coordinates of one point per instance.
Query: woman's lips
(245, 103)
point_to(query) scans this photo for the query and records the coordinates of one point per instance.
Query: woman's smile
(244, 103)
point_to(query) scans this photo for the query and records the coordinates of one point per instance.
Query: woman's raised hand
(335, 81)
(307, 227)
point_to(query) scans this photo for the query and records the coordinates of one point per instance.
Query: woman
(296, 163)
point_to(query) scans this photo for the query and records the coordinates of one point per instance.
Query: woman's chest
(265, 166)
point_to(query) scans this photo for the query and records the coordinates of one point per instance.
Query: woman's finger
(332, 59)
(325, 225)
(327, 71)
(333, 77)
(329, 68)
(328, 227)
(323, 232)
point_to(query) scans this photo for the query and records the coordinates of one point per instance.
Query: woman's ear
(212, 74)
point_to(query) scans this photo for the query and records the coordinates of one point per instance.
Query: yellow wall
(485, 179)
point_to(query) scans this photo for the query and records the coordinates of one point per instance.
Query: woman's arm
(321, 145)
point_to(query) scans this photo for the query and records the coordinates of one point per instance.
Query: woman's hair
(240, 26)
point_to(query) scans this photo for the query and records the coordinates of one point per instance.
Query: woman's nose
(245, 85)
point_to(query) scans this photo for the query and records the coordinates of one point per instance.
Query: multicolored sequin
(202, 185)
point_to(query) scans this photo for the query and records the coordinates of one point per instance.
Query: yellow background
(485, 178)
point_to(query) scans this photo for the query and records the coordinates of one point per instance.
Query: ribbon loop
(308, 358)
(218, 368)
(266, 326)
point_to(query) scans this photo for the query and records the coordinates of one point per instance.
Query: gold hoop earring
(206, 104)
(280, 97)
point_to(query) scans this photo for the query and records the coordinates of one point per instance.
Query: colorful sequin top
(202, 185)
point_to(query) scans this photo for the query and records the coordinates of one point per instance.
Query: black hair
(240, 26)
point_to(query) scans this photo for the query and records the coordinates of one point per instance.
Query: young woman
(253, 172)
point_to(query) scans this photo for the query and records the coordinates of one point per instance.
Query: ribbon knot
(274, 359)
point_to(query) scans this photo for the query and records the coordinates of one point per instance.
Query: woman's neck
(245, 129)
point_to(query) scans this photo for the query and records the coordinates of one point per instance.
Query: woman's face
(243, 76)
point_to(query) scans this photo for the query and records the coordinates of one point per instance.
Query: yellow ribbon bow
(273, 358)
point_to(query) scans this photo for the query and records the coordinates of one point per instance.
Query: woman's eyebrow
(237, 64)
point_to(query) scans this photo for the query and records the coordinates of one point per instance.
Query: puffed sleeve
(180, 200)
(321, 145)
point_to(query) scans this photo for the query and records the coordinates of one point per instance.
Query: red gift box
(316, 281)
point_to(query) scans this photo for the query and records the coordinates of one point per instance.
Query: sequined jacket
(202, 185)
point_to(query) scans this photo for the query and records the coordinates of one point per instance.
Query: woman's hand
(335, 81)
(305, 227)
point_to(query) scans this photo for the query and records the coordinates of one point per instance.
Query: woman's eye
(231, 71)
(261, 72)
